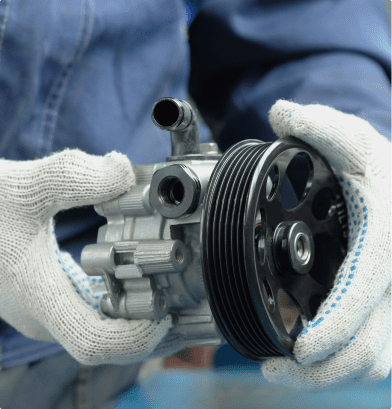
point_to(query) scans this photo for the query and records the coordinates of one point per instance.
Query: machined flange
(175, 191)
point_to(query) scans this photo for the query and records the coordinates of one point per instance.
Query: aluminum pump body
(148, 253)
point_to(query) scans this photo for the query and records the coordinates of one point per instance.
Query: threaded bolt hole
(171, 191)
(161, 303)
(179, 255)
(302, 247)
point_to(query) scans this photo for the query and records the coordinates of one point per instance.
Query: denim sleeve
(247, 54)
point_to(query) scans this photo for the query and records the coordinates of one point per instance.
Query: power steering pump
(213, 240)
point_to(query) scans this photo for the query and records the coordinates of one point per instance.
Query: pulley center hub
(294, 247)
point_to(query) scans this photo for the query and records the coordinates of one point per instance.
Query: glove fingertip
(121, 166)
(280, 115)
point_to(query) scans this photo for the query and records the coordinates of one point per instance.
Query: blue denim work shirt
(85, 74)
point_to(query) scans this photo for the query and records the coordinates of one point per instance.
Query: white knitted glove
(349, 340)
(43, 293)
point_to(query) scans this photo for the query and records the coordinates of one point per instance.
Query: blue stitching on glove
(345, 346)
(80, 294)
(355, 260)
(62, 263)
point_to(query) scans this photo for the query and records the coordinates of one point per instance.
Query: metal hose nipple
(178, 117)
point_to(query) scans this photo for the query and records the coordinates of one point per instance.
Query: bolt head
(293, 247)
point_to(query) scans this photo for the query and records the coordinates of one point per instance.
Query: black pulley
(274, 232)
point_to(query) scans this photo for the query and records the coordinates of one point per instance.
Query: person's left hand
(349, 339)
(44, 294)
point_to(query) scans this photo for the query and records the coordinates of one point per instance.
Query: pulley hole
(171, 191)
(323, 206)
(179, 255)
(272, 182)
(297, 180)
(166, 113)
(328, 258)
(314, 304)
(260, 236)
(288, 310)
(268, 296)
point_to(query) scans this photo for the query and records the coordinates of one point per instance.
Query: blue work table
(240, 389)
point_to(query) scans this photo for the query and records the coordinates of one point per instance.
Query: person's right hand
(44, 294)
(349, 339)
